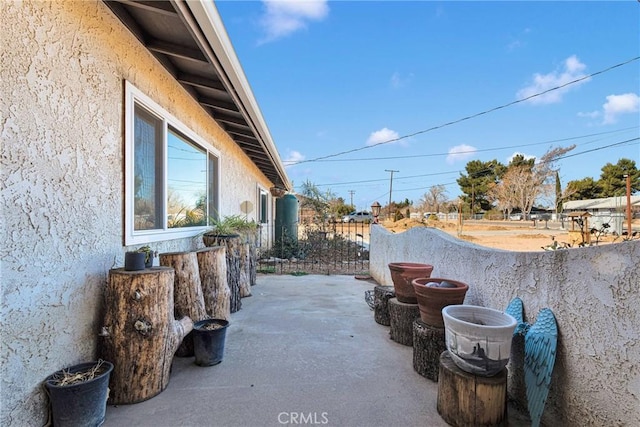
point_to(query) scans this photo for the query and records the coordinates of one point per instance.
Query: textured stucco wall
(63, 65)
(594, 293)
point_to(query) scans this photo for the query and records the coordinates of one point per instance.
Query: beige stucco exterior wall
(594, 293)
(63, 65)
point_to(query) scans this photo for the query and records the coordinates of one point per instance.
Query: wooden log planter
(212, 266)
(232, 243)
(428, 345)
(401, 316)
(252, 266)
(187, 292)
(381, 297)
(140, 334)
(467, 400)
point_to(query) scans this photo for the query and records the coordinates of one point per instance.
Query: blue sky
(344, 76)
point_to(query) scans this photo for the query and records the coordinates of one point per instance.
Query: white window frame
(261, 191)
(134, 96)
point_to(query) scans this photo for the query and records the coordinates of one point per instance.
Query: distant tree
(338, 207)
(520, 160)
(525, 187)
(432, 200)
(316, 201)
(612, 181)
(502, 194)
(476, 183)
(583, 189)
(526, 180)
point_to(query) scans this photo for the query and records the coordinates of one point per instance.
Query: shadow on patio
(302, 350)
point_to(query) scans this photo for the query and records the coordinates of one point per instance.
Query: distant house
(602, 206)
(608, 210)
(124, 124)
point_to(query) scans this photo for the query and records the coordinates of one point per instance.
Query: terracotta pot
(402, 274)
(478, 338)
(432, 299)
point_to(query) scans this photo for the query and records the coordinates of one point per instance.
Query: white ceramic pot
(478, 338)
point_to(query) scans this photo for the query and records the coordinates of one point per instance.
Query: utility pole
(390, 189)
(351, 192)
(628, 176)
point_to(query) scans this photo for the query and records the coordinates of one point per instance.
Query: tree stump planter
(232, 244)
(467, 400)
(140, 334)
(401, 316)
(187, 292)
(382, 294)
(251, 268)
(428, 345)
(212, 266)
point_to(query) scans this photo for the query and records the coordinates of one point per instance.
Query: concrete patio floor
(302, 350)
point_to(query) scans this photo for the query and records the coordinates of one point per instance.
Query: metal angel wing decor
(540, 342)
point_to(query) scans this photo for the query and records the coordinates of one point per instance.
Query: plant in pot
(402, 274)
(208, 341)
(228, 226)
(78, 394)
(433, 294)
(149, 255)
(478, 338)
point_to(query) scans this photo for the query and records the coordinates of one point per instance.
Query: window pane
(213, 187)
(147, 171)
(186, 182)
(263, 207)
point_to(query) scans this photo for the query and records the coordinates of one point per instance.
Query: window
(172, 175)
(263, 206)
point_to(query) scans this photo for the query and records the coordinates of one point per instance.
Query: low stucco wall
(63, 65)
(594, 293)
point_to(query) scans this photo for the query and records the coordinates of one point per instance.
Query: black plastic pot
(134, 261)
(208, 345)
(83, 404)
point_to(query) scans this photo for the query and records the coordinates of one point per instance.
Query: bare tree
(432, 200)
(502, 194)
(523, 183)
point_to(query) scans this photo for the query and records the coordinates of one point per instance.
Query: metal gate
(332, 248)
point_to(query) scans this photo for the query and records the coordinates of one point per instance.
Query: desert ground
(507, 235)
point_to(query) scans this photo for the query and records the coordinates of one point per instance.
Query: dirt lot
(508, 235)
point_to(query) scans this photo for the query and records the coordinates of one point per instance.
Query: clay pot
(432, 299)
(402, 274)
(478, 338)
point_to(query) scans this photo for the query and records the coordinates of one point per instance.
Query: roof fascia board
(223, 55)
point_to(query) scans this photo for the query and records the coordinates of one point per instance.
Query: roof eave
(223, 57)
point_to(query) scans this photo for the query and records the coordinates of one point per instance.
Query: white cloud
(292, 158)
(460, 153)
(590, 114)
(398, 81)
(518, 42)
(284, 17)
(619, 104)
(382, 135)
(571, 70)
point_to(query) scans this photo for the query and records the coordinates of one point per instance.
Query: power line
(483, 149)
(335, 184)
(631, 141)
(472, 116)
(628, 141)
